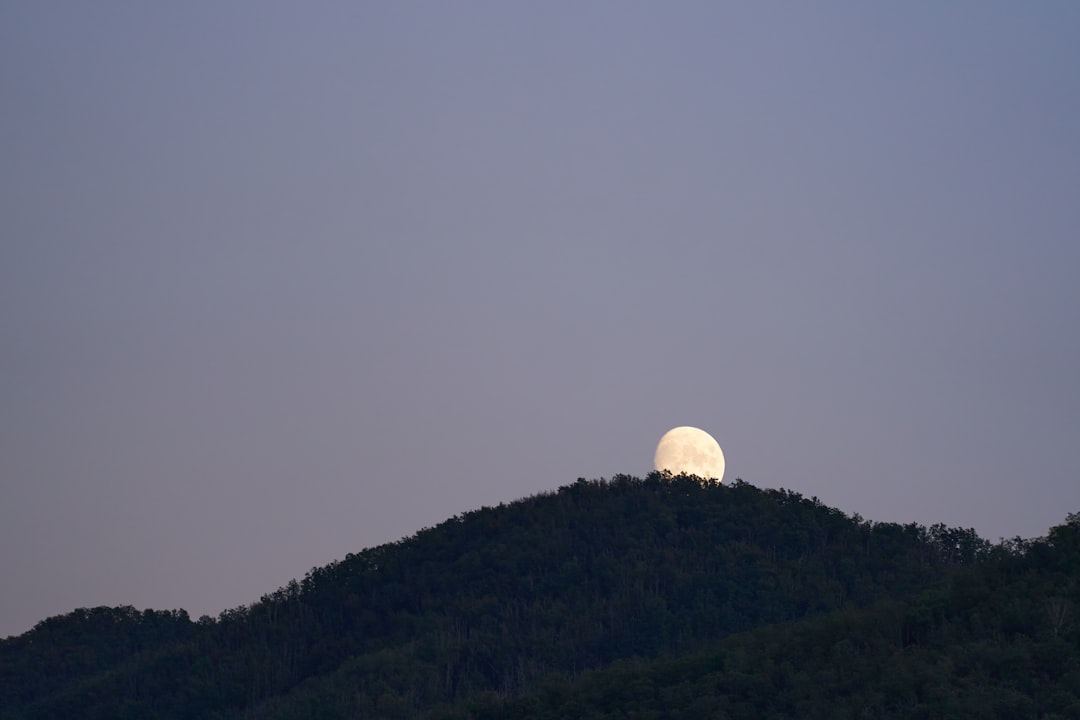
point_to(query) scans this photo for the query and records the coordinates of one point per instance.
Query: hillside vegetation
(630, 598)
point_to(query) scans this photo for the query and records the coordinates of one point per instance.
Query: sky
(282, 281)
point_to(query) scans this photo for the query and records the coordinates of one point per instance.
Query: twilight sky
(281, 281)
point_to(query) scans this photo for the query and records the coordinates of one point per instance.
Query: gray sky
(281, 281)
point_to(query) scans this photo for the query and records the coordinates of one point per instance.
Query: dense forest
(661, 597)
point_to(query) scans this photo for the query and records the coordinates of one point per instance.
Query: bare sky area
(282, 281)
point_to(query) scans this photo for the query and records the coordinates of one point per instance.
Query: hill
(655, 597)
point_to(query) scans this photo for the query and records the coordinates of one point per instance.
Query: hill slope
(494, 606)
(1000, 639)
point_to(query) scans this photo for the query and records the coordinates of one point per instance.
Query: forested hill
(660, 597)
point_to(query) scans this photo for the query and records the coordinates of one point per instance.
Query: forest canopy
(630, 597)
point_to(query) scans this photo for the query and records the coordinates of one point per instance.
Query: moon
(691, 451)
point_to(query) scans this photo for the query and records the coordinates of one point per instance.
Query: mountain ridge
(493, 603)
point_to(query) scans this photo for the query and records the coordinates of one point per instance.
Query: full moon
(691, 451)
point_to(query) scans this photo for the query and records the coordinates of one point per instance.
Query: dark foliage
(661, 597)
